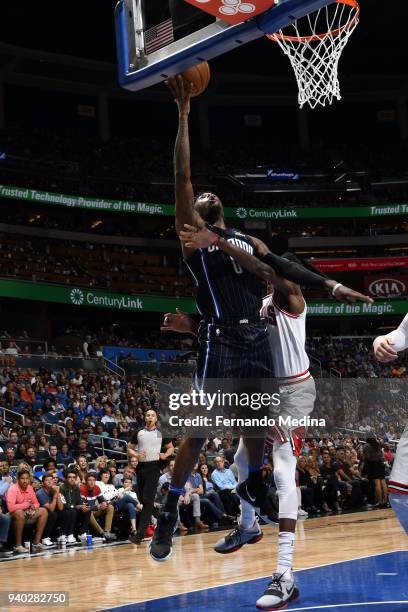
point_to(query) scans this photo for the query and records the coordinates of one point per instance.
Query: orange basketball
(199, 76)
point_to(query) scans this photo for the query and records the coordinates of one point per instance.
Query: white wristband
(335, 289)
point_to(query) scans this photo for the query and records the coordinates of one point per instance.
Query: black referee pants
(148, 473)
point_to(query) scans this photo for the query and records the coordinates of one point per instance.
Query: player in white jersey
(284, 310)
(386, 349)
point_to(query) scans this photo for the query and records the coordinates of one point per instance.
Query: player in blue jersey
(233, 340)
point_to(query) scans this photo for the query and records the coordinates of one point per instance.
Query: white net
(314, 45)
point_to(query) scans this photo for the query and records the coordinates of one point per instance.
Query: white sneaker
(279, 593)
(302, 513)
(48, 542)
(40, 547)
(82, 537)
(71, 539)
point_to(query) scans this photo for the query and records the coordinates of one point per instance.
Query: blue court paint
(373, 584)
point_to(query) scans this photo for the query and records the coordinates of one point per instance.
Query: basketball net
(315, 56)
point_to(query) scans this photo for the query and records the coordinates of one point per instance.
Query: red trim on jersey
(285, 312)
(296, 375)
(297, 382)
(397, 487)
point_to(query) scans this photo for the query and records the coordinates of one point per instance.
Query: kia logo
(387, 287)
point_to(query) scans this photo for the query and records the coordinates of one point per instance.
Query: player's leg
(248, 530)
(187, 456)
(282, 588)
(296, 401)
(260, 370)
(398, 482)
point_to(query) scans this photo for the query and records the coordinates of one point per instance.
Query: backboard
(156, 43)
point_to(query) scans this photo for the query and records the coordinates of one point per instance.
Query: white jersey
(287, 337)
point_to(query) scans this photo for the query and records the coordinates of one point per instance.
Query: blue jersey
(224, 289)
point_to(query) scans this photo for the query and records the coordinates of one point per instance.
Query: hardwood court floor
(103, 578)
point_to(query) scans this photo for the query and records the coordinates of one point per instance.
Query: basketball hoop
(315, 56)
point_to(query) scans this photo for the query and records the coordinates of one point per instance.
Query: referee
(147, 445)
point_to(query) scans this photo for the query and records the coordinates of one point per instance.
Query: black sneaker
(237, 538)
(255, 496)
(135, 538)
(162, 541)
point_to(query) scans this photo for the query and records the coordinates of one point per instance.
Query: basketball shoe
(279, 593)
(237, 538)
(161, 545)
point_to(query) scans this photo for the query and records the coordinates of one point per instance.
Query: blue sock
(172, 499)
(255, 473)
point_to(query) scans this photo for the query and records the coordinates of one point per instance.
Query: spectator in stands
(76, 513)
(64, 456)
(12, 441)
(330, 481)
(83, 468)
(374, 469)
(42, 448)
(388, 454)
(27, 395)
(226, 484)
(349, 485)
(108, 419)
(49, 498)
(25, 509)
(167, 474)
(101, 462)
(5, 518)
(31, 456)
(109, 491)
(99, 507)
(11, 455)
(209, 491)
(127, 501)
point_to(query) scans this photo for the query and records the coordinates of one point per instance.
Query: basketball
(199, 76)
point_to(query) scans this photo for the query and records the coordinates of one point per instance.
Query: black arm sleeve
(283, 267)
(292, 271)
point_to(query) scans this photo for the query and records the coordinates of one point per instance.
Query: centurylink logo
(121, 302)
(77, 297)
(241, 213)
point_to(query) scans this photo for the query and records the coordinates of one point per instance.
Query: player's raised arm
(184, 193)
(267, 265)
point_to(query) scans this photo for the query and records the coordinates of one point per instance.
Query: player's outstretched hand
(345, 294)
(196, 237)
(178, 322)
(181, 92)
(383, 350)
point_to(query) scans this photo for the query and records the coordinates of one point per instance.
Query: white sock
(299, 496)
(247, 517)
(285, 555)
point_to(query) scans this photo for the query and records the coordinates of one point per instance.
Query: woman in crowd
(83, 468)
(209, 490)
(101, 462)
(305, 484)
(42, 452)
(316, 477)
(109, 491)
(123, 426)
(374, 470)
(127, 501)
